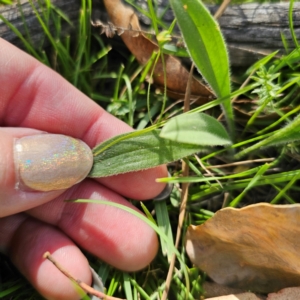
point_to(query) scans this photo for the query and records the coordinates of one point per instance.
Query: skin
(35, 99)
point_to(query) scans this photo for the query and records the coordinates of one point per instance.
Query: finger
(135, 185)
(112, 234)
(32, 95)
(31, 160)
(25, 240)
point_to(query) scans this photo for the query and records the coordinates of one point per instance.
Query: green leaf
(6, 2)
(5, 292)
(291, 24)
(147, 213)
(204, 42)
(133, 151)
(206, 46)
(176, 51)
(163, 223)
(197, 129)
(127, 286)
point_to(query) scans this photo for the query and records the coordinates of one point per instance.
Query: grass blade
(291, 24)
(288, 134)
(163, 222)
(127, 286)
(251, 184)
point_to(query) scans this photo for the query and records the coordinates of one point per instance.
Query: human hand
(35, 102)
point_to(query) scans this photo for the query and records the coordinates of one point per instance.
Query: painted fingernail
(166, 192)
(48, 162)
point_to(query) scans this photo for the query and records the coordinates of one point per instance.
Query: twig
(206, 169)
(184, 194)
(245, 162)
(83, 285)
(221, 9)
(226, 200)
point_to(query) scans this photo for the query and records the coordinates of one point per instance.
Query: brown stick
(244, 162)
(184, 195)
(221, 9)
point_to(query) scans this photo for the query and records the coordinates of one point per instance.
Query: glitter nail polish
(47, 162)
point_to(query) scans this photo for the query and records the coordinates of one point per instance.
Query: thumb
(36, 167)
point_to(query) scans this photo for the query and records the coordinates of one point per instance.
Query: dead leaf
(124, 19)
(254, 248)
(243, 296)
(292, 293)
(213, 290)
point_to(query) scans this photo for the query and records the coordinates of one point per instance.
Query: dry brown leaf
(292, 293)
(243, 296)
(254, 248)
(212, 290)
(141, 47)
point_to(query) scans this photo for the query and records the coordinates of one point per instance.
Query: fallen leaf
(254, 248)
(243, 296)
(292, 293)
(126, 23)
(213, 290)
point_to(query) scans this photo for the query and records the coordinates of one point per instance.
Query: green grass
(266, 139)
(5, 2)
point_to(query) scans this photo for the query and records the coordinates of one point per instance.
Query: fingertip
(148, 252)
(73, 261)
(30, 243)
(37, 166)
(118, 237)
(145, 245)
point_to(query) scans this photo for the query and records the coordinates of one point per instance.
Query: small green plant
(266, 87)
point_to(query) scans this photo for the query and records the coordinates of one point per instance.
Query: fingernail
(166, 192)
(48, 162)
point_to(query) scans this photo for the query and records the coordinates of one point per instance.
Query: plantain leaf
(197, 129)
(133, 151)
(207, 48)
